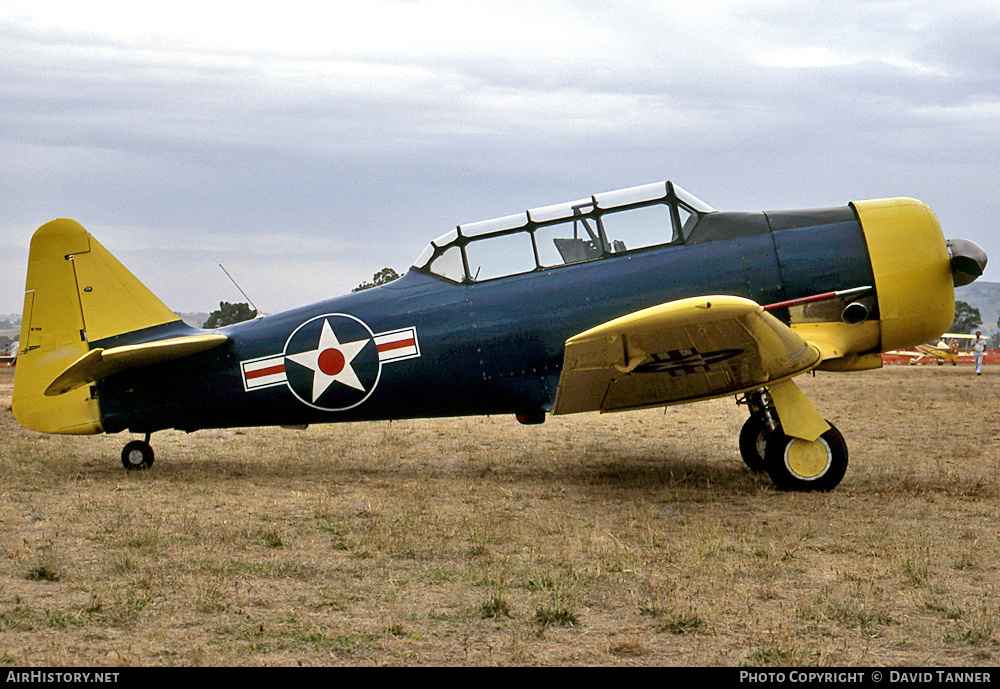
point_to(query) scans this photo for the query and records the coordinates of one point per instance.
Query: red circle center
(331, 362)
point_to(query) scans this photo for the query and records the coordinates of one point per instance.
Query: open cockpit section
(602, 226)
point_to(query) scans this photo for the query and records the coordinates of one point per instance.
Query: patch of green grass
(670, 620)
(496, 606)
(270, 570)
(438, 575)
(43, 571)
(556, 616)
(771, 655)
(540, 583)
(679, 623)
(478, 551)
(146, 539)
(966, 562)
(943, 610)
(272, 539)
(854, 616)
(291, 633)
(123, 611)
(973, 636)
(396, 630)
(915, 573)
(123, 564)
(26, 618)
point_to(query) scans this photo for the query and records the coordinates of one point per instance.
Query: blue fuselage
(493, 347)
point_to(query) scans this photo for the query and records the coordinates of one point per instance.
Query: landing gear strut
(137, 454)
(791, 463)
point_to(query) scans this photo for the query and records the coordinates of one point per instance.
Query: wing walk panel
(677, 352)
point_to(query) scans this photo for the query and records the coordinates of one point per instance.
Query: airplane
(10, 358)
(631, 299)
(945, 350)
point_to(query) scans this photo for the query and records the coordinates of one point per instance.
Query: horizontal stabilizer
(99, 363)
(681, 351)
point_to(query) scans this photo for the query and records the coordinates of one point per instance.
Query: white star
(331, 362)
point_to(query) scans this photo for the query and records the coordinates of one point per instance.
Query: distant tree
(227, 314)
(382, 277)
(967, 318)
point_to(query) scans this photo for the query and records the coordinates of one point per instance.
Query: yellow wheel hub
(808, 460)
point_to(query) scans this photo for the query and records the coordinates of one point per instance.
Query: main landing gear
(137, 454)
(791, 463)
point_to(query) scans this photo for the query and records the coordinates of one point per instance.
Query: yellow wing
(689, 350)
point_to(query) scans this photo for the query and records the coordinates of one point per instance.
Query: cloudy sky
(306, 145)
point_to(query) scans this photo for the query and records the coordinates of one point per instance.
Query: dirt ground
(624, 539)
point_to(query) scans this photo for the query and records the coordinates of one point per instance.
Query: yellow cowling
(913, 280)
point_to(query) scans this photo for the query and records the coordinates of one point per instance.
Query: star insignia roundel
(332, 362)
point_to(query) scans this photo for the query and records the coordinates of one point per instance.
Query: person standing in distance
(978, 349)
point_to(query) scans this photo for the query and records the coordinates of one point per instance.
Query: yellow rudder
(76, 292)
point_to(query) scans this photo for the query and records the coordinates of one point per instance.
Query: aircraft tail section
(76, 292)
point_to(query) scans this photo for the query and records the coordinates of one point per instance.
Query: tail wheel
(797, 464)
(138, 454)
(753, 442)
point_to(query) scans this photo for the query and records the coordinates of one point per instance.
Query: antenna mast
(241, 290)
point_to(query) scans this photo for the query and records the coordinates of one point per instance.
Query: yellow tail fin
(76, 292)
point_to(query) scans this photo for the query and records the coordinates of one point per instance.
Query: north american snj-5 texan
(643, 297)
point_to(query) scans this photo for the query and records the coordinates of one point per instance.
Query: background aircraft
(9, 357)
(631, 299)
(952, 348)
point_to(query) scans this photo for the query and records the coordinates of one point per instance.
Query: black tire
(796, 464)
(137, 454)
(753, 441)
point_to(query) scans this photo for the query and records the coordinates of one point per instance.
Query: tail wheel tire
(138, 454)
(753, 442)
(797, 464)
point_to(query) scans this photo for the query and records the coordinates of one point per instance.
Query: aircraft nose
(968, 261)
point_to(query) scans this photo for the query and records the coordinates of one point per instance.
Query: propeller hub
(968, 261)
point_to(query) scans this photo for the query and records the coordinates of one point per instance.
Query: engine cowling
(916, 270)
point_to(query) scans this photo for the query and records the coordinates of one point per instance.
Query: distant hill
(984, 296)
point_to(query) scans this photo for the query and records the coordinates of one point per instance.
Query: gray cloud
(319, 162)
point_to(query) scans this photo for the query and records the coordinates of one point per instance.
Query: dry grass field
(630, 539)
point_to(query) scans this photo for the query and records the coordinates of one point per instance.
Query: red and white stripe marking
(397, 345)
(269, 371)
(263, 373)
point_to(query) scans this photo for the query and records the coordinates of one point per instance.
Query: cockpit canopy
(604, 225)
